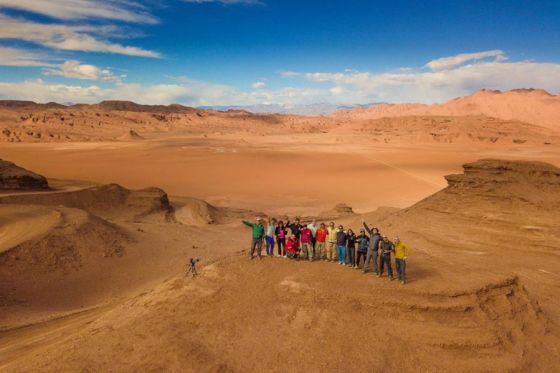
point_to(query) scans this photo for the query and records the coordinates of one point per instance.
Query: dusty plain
(92, 270)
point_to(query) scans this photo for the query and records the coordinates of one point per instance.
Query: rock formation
(13, 177)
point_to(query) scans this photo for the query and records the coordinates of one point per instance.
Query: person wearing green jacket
(257, 237)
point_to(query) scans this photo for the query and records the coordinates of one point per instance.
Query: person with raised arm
(257, 236)
(373, 249)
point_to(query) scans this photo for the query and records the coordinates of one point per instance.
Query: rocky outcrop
(337, 211)
(515, 184)
(110, 201)
(13, 177)
(493, 171)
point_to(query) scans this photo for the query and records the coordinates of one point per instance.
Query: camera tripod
(191, 268)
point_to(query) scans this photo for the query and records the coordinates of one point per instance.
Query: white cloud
(446, 63)
(121, 10)
(341, 88)
(439, 86)
(41, 91)
(21, 57)
(67, 37)
(290, 74)
(258, 85)
(76, 70)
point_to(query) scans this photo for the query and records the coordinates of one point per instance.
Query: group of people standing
(330, 243)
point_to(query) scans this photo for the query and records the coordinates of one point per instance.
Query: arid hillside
(482, 292)
(22, 121)
(484, 118)
(533, 106)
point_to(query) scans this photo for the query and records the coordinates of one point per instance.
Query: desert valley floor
(92, 269)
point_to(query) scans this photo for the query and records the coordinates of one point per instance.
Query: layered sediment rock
(13, 177)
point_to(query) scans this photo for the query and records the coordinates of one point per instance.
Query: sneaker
(391, 278)
(378, 274)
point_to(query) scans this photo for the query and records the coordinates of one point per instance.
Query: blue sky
(271, 51)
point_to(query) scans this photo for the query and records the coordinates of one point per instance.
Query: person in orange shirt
(320, 242)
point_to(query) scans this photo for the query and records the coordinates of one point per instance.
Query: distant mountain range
(296, 109)
(535, 106)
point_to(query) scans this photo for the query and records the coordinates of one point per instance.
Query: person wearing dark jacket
(257, 235)
(373, 249)
(295, 227)
(281, 234)
(351, 248)
(363, 242)
(341, 245)
(386, 247)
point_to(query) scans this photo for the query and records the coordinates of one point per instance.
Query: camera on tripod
(191, 268)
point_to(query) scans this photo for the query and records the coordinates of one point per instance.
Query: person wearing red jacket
(306, 237)
(292, 247)
(320, 242)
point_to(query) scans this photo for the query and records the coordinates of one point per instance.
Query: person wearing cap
(320, 242)
(363, 243)
(386, 247)
(331, 244)
(258, 234)
(401, 254)
(269, 236)
(341, 238)
(373, 249)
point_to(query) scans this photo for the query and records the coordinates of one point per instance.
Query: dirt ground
(92, 273)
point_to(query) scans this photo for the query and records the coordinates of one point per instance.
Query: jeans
(256, 244)
(269, 245)
(351, 255)
(341, 250)
(360, 254)
(401, 269)
(371, 255)
(281, 246)
(386, 260)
